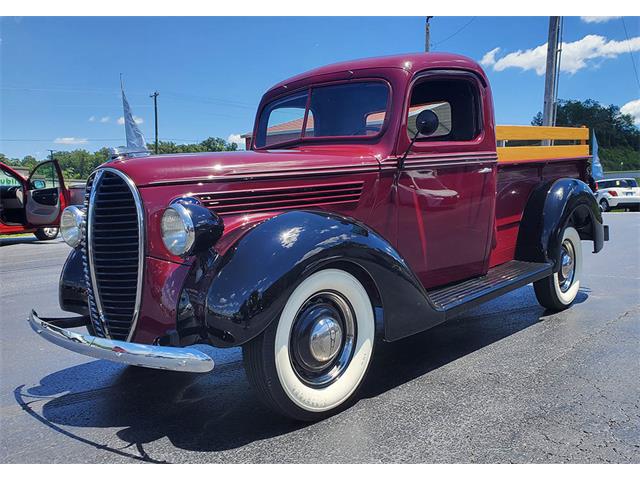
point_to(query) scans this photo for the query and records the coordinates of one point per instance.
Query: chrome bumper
(151, 356)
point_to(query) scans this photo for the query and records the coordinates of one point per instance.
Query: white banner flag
(135, 139)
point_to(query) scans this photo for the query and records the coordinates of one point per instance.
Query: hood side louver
(284, 198)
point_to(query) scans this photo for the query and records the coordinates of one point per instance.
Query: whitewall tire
(311, 361)
(559, 291)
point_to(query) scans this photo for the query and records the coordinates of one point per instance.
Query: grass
(16, 235)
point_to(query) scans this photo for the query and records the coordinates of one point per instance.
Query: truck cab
(377, 199)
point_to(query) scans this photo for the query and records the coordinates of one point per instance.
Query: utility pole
(51, 154)
(154, 95)
(427, 35)
(551, 77)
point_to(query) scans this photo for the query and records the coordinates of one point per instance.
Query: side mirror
(38, 184)
(427, 123)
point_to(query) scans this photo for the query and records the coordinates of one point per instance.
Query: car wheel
(48, 233)
(309, 363)
(604, 205)
(559, 290)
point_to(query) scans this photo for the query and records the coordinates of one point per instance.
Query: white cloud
(235, 138)
(92, 118)
(104, 119)
(70, 141)
(575, 55)
(632, 108)
(489, 57)
(597, 19)
(136, 119)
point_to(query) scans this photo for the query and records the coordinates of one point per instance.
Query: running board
(458, 297)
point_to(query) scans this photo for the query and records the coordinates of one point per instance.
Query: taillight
(613, 193)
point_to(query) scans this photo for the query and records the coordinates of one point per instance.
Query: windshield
(346, 110)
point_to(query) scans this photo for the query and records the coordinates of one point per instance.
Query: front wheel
(309, 363)
(558, 291)
(48, 233)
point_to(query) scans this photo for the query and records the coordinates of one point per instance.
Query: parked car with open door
(33, 204)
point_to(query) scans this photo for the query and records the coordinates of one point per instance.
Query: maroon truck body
(451, 213)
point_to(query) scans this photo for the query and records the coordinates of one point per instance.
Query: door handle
(485, 170)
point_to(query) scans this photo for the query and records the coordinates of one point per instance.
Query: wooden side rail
(532, 153)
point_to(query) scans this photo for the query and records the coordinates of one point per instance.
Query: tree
(210, 144)
(618, 137)
(78, 164)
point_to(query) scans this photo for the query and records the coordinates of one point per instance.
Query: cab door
(446, 188)
(12, 188)
(46, 195)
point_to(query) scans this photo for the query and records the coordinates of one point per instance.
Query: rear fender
(550, 208)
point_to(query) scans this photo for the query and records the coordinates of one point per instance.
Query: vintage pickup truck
(377, 200)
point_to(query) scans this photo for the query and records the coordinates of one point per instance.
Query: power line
(184, 96)
(633, 60)
(52, 141)
(456, 32)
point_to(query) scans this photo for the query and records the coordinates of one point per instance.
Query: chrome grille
(113, 253)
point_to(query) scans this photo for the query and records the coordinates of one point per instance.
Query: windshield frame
(326, 139)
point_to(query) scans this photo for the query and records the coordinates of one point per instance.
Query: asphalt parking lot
(506, 382)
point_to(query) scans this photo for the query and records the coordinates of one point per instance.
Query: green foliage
(78, 164)
(211, 144)
(618, 137)
(619, 158)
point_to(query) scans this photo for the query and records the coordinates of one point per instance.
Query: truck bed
(523, 163)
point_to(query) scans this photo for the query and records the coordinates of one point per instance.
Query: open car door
(46, 195)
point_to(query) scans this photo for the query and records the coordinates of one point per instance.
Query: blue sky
(60, 76)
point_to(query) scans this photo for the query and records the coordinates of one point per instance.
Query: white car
(618, 193)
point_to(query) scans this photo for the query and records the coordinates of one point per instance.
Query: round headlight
(71, 225)
(178, 232)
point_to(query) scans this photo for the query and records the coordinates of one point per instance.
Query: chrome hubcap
(567, 262)
(322, 339)
(325, 339)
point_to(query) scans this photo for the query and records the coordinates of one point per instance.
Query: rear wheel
(604, 205)
(559, 290)
(48, 233)
(309, 364)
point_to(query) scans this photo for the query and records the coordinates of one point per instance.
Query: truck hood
(158, 170)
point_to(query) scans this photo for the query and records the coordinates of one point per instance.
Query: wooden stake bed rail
(535, 153)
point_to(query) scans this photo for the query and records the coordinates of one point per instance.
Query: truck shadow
(219, 411)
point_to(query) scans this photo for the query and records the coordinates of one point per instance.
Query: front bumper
(181, 359)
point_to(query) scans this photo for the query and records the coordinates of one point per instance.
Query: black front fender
(72, 290)
(237, 295)
(549, 209)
